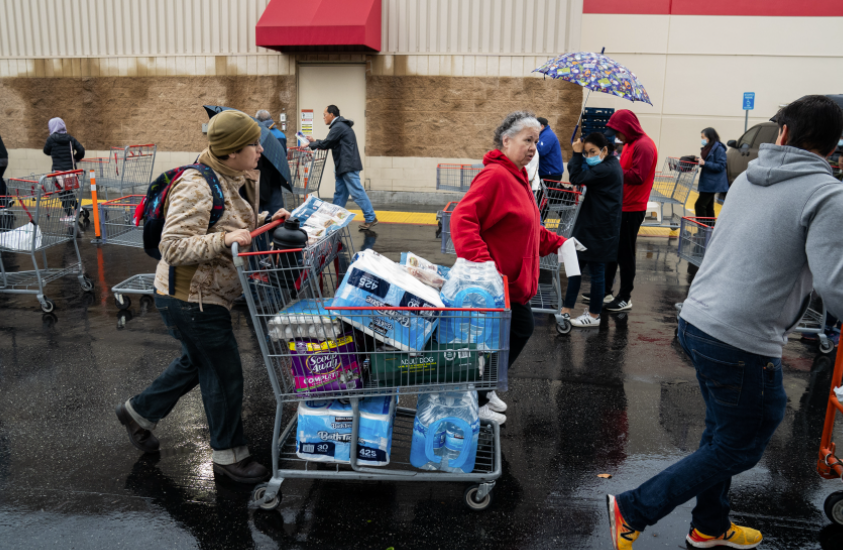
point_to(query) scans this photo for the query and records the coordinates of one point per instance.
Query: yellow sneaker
(622, 534)
(735, 537)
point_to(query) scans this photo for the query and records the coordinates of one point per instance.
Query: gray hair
(513, 124)
(262, 115)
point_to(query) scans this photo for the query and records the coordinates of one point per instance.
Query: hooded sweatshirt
(638, 160)
(777, 235)
(498, 221)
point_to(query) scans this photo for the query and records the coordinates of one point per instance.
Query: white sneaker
(488, 414)
(586, 321)
(609, 299)
(495, 402)
(68, 219)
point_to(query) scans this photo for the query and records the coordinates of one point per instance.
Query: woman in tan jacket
(196, 284)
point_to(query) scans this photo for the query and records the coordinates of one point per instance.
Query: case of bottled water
(472, 285)
(446, 432)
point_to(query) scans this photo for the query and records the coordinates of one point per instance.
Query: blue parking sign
(748, 101)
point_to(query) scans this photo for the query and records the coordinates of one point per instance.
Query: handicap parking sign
(748, 101)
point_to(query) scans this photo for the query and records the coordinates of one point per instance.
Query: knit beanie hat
(230, 131)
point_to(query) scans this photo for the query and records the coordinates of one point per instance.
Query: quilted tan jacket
(186, 241)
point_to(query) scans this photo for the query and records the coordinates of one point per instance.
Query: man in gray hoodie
(778, 235)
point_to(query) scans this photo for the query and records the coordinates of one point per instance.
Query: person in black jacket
(599, 221)
(65, 151)
(4, 162)
(347, 164)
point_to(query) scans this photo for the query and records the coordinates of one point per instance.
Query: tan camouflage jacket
(186, 241)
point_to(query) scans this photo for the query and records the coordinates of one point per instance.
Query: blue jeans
(209, 358)
(349, 183)
(744, 404)
(597, 271)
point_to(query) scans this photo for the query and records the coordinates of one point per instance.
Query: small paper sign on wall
(306, 123)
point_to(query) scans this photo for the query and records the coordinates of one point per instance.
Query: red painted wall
(784, 8)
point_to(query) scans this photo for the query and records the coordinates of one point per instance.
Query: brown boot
(245, 471)
(142, 439)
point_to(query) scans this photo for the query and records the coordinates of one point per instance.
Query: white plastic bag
(21, 238)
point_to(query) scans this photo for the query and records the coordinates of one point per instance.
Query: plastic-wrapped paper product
(472, 285)
(324, 365)
(315, 212)
(323, 433)
(373, 280)
(427, 272)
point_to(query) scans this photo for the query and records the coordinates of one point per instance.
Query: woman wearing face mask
(498, 221)
(713, 178)
(598, 224)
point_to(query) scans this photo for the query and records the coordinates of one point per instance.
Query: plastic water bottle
(472, 285)
(454, 417)
(427, 410)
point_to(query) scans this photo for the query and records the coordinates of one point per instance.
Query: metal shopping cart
(559, 205)
(306, 168)
(829, 466)
(445, 228)
(456, 178)
(670, 189)
(116, 219)
(303, 281)
(34, 216)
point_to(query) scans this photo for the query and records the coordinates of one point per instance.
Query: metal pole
(746, 122)
(95, 209)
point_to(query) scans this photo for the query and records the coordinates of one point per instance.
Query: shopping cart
(306, 167)
(559, 205)
(118, 228)
(670, 189)
(445, 221)
(814, 322)
(457, 178)
(34, 216)
(303, 281)
(829, 466)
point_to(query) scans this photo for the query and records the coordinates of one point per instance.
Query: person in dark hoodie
(713, 178)
(272, 181)
(598, 222)
(66, 151)
(638, 160)
(752, 288)
(347, 164)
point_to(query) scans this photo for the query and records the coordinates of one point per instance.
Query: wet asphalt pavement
(620, 400)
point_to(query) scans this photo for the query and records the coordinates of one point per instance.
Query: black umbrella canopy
(837, 98)
(272, 150)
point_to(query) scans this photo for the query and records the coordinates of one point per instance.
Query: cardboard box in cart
(438, 363)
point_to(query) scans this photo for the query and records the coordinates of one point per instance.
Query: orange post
(94, 208)
(829, 465)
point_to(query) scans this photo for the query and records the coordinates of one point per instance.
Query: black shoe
(245, 471)
(619, 305)
(142, 439)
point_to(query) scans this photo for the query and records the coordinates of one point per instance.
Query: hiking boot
(622, 534)
(619, 305)
(486, 413)
(735, 537)
(586, 321)
(245, 471)
(496, 403)
(142, 439)
(365, 226)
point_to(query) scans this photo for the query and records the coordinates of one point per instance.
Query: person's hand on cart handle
(240, 236)
(700, 161)
(577, 146)
(282, 214)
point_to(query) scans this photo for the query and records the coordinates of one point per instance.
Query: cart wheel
(564, 327)
(257, 498)
(48, 306)
(146, 303)
(472, 503)
(122, 302)
(834, 507)
(826, 346)
(87, 283)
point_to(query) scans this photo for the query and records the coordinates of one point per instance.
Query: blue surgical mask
(704, 142)
(593, 161)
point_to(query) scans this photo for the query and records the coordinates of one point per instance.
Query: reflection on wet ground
(620, 400)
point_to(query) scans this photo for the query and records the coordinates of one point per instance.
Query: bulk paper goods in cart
(342, 339)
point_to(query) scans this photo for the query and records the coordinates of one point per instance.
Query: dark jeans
(520, 331)
(597, 271)
(704, 207)
(210, 358)
(630, 224)
(744, 404)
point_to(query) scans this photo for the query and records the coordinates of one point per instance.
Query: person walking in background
(713, 178)
(749, 292)
(551, 166)
(498, 221)
(66, 151)
(347, 164)
(4, 162)
(598, 223)
(638, 160)
(271, 184)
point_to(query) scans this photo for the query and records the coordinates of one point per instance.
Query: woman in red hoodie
(498, 221)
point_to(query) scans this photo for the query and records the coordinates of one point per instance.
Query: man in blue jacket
(550, 153)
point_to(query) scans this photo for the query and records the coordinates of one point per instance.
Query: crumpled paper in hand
(568, 256)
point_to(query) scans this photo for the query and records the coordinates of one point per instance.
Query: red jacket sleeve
(549, 242)
(474, 213)
(643, 156)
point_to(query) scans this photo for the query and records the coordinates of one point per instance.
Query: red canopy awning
(343, 25)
